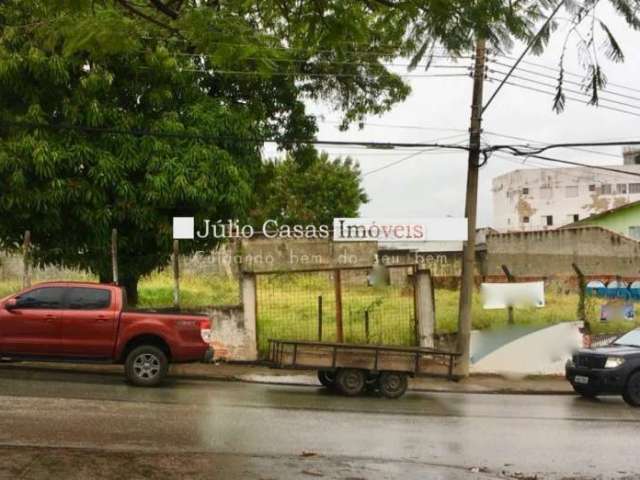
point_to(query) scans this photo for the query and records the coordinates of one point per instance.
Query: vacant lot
(289, 306)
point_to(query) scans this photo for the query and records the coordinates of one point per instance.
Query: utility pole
(471, 209)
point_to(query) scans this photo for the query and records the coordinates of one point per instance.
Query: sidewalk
(543, 385)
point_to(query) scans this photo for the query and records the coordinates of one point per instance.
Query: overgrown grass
(288, 307)
(156, 291)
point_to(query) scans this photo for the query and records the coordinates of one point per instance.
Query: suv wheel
(146, 366)
(631, 393)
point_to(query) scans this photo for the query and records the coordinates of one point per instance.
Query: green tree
(111, 117)
(308, 194)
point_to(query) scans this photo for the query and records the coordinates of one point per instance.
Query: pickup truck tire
(392, 384)
(631, 393)
(146, 366)
(350, 381)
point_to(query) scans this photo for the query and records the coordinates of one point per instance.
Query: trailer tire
(327, 378)
(350, 381)
(392, 384)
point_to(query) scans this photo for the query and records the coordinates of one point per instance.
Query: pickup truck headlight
(614, 362)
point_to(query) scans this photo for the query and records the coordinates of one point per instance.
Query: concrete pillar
(425, 308)
(248, 292)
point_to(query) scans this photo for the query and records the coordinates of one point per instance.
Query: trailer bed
(326, 356)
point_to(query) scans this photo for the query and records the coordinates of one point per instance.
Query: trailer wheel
(350, 381)
(327, 378)
(392, 384)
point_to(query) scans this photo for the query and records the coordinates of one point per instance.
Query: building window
(571, 191)
(605, 189)
(634, 232)
(525, 190)
(621, 188)
(634, 188)
(592, 188)
(573, 217)
(545, 192)
(547, 220)
(525, 219)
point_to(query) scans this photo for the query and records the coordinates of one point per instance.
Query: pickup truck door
(90, 323)
(34, 325)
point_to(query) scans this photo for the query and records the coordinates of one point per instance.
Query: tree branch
(148, 18)
(164, 9)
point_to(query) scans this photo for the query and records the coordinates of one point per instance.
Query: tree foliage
(85, 82)
(312, 194)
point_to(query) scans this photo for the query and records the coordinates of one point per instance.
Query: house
(624, 220)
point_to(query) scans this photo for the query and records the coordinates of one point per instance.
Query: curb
(271, 380)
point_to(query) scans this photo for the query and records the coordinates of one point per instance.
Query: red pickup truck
(64, 321)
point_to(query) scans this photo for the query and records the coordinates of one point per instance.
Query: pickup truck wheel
(392, 384)
(327, 378)
(146, 366)
(350, 381)
(631, 393)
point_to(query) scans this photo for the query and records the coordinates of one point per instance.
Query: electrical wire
(571, 82)
(537, 82)
(605, 107)
(557, 70)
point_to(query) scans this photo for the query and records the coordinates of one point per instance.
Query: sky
(432, 184)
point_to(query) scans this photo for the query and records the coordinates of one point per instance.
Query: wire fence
(306, 306)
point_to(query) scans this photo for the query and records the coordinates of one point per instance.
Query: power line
(516, 153)
(403, 159)
(200, 136)
(512, 137)
(545, 25)
(537, 82)
(557, 70)
(571, 82)
(513, 84)
(594, 177)
(320, 75)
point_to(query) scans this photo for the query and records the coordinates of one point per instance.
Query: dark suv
(610, 370)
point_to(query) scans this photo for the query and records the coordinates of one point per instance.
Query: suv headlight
(614, 362)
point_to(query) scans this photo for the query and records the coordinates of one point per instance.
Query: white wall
(560, 193)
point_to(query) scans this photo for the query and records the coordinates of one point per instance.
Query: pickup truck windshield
(631, 339)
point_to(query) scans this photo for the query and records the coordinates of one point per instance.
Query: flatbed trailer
(354, 368)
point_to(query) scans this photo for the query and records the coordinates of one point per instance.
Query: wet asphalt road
(241, 430)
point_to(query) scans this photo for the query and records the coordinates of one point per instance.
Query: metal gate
(313, 305)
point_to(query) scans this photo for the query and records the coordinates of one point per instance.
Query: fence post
(26, 259)
(319, 318)
(582, 285)
(366, 325)
(510, 279)
(176, 273)
(425, 307)
(249, 295)
(337, 281)
(114, 254)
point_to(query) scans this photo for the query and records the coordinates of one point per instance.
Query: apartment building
(548, 198)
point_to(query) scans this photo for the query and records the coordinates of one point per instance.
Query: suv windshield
(631, 339)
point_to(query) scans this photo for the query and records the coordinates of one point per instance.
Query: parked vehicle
(63, 321)
(352, 369)
(610, 370)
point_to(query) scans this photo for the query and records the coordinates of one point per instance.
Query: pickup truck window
(41, 298)
(88, 298)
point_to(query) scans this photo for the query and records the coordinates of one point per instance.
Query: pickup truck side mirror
(11, 304)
